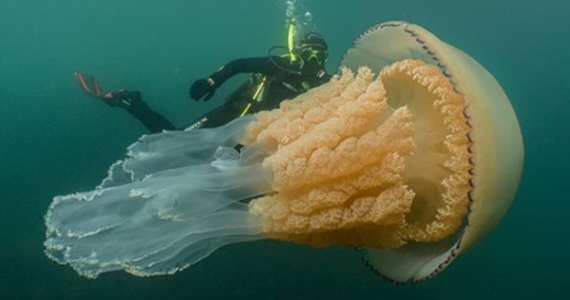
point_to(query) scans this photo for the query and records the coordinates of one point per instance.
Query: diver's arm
(262, 65)
(206, 88)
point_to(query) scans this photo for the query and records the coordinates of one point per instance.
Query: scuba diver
(275, 78)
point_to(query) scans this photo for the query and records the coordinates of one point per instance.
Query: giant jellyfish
(411, 153)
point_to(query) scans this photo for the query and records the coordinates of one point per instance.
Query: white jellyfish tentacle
(181, 201)
(173, 149)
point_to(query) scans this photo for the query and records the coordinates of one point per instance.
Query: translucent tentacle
(161, 219)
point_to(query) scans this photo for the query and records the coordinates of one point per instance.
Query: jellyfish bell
(414, 154)
(495, 143)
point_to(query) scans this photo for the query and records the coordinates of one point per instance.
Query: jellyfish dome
(412, 153)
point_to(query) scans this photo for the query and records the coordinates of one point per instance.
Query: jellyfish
(412, 153)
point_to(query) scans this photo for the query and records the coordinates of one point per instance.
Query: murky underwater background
(54, 140)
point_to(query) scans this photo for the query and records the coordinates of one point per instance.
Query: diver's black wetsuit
(132, 102)
(281, 80)
(275, 79)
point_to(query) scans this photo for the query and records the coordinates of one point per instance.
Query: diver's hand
(201, 88)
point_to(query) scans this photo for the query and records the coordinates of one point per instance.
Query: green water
(54, 140)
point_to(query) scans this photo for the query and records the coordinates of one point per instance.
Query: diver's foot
(122, 98)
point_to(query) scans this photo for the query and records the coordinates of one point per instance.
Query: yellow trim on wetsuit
(292, 58)
(259, 89)
(245, 110)
(255, 95)
(291, 40)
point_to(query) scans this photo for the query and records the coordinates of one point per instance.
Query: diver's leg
(214, 118)
(234, 107)
(132, 102)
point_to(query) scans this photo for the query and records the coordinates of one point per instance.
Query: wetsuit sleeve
(262, 65)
